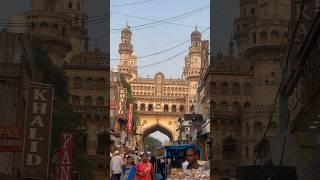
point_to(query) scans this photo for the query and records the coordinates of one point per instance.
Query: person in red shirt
(144, 169)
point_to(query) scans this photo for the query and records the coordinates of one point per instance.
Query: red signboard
(65, 170)
(37, 132)
(130, 118)
(10, 139)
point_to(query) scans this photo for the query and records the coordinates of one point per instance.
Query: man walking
(116, 166)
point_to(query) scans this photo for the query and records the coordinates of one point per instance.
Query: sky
(149, 40)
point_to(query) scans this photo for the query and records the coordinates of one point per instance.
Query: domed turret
(126, 30)
(196, 35)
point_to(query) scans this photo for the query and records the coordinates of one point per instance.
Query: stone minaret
(128, 57)
(78, 30)
(51, 26)
(192, 67)
(264, 48)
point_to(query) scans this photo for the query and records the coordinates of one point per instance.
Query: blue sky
(158, 38)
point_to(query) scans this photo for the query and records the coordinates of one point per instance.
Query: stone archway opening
(157, 132)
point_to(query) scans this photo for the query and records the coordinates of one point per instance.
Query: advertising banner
(10, 139)
(122, 102)
(130, 118)
(67, 141)
(37, 132)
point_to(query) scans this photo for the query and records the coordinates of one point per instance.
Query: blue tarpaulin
(178, 150)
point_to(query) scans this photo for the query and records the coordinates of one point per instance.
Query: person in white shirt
(184, 166)
(116, 166)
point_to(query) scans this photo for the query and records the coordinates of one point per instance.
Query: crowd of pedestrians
(132, 166)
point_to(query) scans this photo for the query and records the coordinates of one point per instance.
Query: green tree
(150, 143)
(63, 118)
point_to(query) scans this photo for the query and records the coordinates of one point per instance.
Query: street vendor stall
(174, 156)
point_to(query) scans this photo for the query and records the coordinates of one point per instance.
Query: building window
(77, 83)
(181, 108)
(192, 108)
(88, 101)
(254, 38)
(236, 89)
(78, 5)
(100, 101)
(166, 108)
(70, 5)
(213, 107)
(229, 147)
(174, 108)
(224, 106)
(75, 100)
(236, 106)
(89, 83)
(246, 105)
(213, 88)
(142, 107)
(272, 74)
(150, 107)
(258, 127)
(224, 88)
(101, 84)
(247, 89)
(252, 11)
(275, 36)
(263, 36)
(135, 106)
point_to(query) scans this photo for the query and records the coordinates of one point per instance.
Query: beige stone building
(87, 74)
(61, 27)
(160, 101)
(241, 88)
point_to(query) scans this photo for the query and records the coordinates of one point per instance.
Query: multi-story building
(241, 88)
(161, 101)
(17, 71)
(87, 74)
(299, 98)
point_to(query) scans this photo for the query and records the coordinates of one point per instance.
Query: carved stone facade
(88, 75)
(60, 26)
(161, 101)
(241, 88)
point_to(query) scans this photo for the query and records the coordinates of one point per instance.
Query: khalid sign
(65, 170)
(122, 102)
(37, 131)
(130, 118)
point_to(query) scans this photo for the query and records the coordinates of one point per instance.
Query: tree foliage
(151, 143)
(131, 99)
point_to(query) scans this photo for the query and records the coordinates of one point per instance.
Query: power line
(168, 22)
(160, 52)
(162, 61)
(165, 20)
(281, 83)
(133, 3)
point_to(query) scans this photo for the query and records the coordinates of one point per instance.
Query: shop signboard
(10, 139)
(37, 133)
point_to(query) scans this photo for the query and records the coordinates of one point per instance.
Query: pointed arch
(157, 127)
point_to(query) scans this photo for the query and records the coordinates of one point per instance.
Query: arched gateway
(157, 127)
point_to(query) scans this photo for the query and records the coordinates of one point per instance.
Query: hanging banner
(10, 139)
(37, 133)
(65, 171)
(122, 102)
(130, 118)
